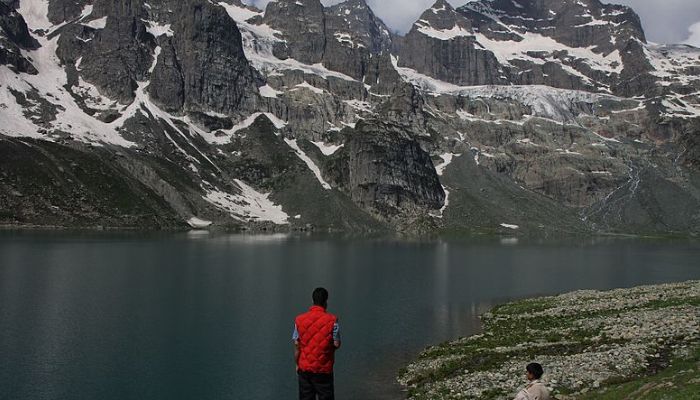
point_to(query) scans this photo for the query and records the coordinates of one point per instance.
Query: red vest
(316, 348)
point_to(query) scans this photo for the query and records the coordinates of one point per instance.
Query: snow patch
(248, 205)
(508, 50)
(328, 149)
(309, 162)
(50, 84)
(447, 159)
(466, 116)
(35, 14)
(156, 29)
(438, 10)
(239, 14)
(346, 38)
(156, 54)
(441, 212)
(278, 123)
(197, 223)
(308, 86)
(99, 23)
(510, 226)
(269, 92)
(442, 34)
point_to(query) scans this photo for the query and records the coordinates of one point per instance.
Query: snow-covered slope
(49, 105)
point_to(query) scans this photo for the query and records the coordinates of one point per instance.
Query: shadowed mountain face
(501, 116)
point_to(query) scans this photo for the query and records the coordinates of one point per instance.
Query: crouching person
(535, 389)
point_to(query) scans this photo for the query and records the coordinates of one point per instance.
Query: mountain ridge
(488, 118)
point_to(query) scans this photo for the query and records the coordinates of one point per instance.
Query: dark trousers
(312, 385)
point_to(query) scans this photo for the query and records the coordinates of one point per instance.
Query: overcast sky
(665, 21)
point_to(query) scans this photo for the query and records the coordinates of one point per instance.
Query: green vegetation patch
(586, 340)
(680, 381)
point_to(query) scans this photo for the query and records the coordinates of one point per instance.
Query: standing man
(316, 338)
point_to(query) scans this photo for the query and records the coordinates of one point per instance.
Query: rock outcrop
(442, 45)
(209, 52)
(65, 10)
(342, 37)
(389, 172)
(542, 42)
(303, 24)
(113, 46)
(353, 36)
(15, 37)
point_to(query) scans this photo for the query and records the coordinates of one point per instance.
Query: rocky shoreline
(587, 341)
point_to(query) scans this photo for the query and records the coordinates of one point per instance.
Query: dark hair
(535, 369)
(320, 297)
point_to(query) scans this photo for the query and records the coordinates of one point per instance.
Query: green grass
(681, 381)
(504, 327)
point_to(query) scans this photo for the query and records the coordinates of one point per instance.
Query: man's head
(320, 297)
(534, 371)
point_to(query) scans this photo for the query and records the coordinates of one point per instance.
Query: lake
(191, 316)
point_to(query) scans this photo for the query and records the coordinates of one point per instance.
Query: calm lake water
(106, 316)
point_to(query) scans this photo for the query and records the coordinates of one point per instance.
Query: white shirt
(535, 390)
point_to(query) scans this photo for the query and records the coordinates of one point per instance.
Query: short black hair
(535, 369)
(320, 297)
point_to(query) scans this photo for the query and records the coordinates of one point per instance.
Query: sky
(665, 21)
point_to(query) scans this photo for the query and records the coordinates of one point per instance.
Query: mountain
(517, 117)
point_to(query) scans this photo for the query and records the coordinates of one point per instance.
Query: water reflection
(198, 234)
(509, 241)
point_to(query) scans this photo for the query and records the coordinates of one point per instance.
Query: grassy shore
(680, 381)
(626, 343)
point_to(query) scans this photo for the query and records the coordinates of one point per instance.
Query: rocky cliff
(509, 117)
